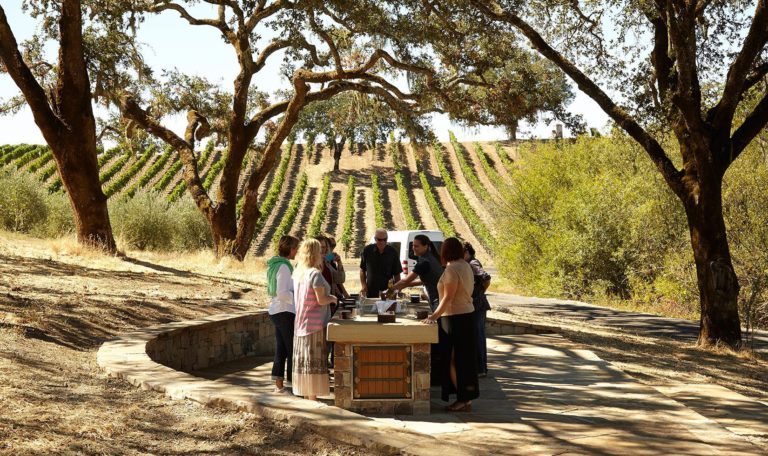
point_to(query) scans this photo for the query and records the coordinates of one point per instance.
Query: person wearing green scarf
(282, 310)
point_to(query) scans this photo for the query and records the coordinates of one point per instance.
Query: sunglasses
(381, 240)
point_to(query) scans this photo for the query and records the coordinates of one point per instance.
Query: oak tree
(685, 65)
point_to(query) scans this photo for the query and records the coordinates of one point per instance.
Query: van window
(396, 246)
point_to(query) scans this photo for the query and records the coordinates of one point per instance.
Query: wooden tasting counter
(382, 368)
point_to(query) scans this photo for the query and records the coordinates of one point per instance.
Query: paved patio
(545, 395)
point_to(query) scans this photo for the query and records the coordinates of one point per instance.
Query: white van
(402, 241)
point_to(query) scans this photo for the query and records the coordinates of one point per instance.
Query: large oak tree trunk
(65, 118)
(79, 172)
(717, 281)
(224, 231)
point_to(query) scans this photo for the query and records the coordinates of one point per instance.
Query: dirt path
(136, 176)
(264, 237)
(411, 178)
(452, 164)
(452, 212)
(490, 150)
(482, 175)
(156, 178)
(58, 303)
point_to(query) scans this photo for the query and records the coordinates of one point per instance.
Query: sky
(172, 43)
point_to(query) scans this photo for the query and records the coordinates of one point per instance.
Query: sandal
(460, 407)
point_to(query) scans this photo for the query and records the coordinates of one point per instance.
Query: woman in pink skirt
(312, 296)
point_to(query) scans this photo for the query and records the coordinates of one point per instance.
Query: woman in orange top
(455, 314)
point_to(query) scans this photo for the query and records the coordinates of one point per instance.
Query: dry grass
(59, 302)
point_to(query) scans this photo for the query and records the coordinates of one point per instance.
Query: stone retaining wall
(496, 327)
(209, 343)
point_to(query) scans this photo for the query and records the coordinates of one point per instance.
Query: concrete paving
(639, 323)
(545, 395)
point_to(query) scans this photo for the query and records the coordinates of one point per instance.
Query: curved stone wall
(214, 340)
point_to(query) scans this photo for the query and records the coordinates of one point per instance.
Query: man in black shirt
(378, 263)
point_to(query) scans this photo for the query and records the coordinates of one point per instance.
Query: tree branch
(328, 40)
(131, 110)
(722, 113)
(681, 28)
(654, 150)
(271, 48)
(752, 126)
(756, 76)
(235, 9)
(73, 90)
(25, 80)
(263, 12)
(217, 23)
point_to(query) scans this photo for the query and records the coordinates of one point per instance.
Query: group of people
(453, 279)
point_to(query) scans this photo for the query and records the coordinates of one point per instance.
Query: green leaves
(273, 194)
(477, 226)
(349, 214)
(403, 195)
(124, 178)
(293, 210)
(378, 205)
(151, 172)
(318, 217)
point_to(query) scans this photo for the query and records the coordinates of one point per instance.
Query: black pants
(461, 342)
(283, 322)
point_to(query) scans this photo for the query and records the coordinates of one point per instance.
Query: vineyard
(452, 188)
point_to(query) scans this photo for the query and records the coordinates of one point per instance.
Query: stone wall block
(421, 394)
(404, 408)
(342, 363)
(421, 362)
(421, 407)
(421, 380)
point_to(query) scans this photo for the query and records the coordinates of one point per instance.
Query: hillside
(454, 190)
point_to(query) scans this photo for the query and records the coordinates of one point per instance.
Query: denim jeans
(482, 351)
(283, 322)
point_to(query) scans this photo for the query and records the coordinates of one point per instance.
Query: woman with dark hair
(282, 311)
(427, 270)
(455, 315)
(481, 304)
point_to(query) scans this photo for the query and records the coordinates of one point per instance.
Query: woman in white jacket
(282, 310)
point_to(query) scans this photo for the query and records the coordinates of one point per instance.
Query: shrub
(272, 194)
(168, 176)
(15, 153)
(590, 219)
(192, 231)
(477, 226)
(114, 168)
(23, 205)
(393, 149)
(41, 161)
(116, 185)
(468, 170)
(143, 222)
(60, 220)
